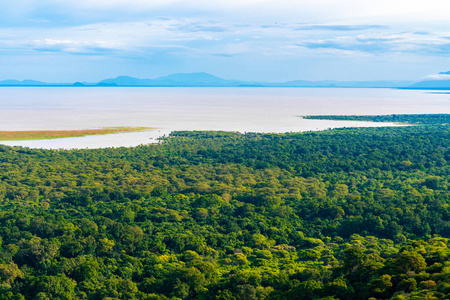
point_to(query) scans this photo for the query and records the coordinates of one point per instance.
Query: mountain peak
(200, 77)
(122, 80)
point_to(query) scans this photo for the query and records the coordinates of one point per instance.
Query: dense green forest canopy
(339, 214)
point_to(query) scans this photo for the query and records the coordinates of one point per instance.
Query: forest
(346, 213)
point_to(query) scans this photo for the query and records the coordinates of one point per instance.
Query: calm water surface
(168, 109)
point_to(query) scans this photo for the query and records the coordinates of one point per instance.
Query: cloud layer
(286, 40)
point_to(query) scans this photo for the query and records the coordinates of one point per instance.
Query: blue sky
(270, 40)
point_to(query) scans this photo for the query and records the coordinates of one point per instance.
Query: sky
(260, 40)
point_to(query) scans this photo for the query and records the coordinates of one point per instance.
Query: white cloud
(228, 38)
(74, 46)
(269, 11)
(438, 77)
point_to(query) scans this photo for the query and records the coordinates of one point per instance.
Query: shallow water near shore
(169, 109)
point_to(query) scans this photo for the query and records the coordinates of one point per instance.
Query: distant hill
(438, 83)
(432, 84)
(203, 79)
(195, 78)
(126, 80)
(179, 79)
(12, 82)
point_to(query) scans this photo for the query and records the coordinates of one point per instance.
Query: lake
(182, 108)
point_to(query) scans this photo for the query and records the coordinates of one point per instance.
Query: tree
(410, 261)
(9, 272)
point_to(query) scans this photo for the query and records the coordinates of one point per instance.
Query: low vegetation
(56, 134)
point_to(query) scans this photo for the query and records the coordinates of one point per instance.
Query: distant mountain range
(207, 80)
(180, 79)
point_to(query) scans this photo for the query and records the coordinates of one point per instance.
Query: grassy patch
(56, 134)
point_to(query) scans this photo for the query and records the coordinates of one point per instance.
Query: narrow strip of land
(428, 119)
(56, 134)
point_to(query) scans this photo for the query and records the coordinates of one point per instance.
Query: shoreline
(145, 137)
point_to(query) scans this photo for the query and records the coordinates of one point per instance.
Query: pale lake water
(168, 109)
